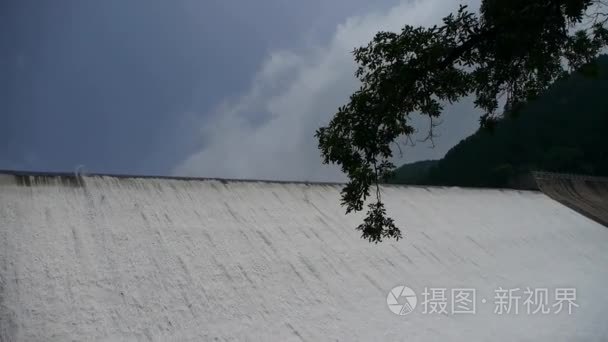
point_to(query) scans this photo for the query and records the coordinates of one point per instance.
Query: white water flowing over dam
(101, 258)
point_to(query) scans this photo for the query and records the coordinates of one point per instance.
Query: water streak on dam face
(109, 258)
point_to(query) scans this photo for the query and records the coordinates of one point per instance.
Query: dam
(128, 258)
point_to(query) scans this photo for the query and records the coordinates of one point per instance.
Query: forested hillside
(562, 131)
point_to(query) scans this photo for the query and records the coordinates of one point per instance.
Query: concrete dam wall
(585, 194)
(101, 258)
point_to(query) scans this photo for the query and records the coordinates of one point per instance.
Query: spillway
(107, 258)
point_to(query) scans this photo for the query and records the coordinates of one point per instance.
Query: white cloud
(267, 132)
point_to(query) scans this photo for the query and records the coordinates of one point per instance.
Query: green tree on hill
(562, 131)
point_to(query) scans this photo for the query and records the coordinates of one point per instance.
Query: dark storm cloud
(226, 88)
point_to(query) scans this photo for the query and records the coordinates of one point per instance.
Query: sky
(229, 89)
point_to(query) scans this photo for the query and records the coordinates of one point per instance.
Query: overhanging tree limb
(513, 47)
